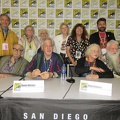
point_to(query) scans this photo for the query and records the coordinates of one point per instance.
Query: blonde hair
(65, 25)
(89, 48)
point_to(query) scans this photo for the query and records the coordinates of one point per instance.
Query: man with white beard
(112, 57)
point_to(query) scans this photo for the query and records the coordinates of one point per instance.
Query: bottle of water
(63, 72)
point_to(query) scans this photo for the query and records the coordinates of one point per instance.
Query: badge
(31, 52)
(78, 54)
(103, 50)
(5, 46)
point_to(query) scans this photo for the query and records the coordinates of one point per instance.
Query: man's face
(47, 47)
(4, 22)
(113, 49)
(101, 26)
(17, 51)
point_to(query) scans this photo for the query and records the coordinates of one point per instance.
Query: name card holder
(28, 86)
(96, 87)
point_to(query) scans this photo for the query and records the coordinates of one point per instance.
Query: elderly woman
(61, 40)
(43, 35)
(90, 66)
(30, 42)
(77, 43)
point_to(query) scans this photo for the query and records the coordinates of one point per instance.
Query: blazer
(94, 38)
(19, 66)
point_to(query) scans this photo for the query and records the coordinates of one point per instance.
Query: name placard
(28, 86)
(96, 87)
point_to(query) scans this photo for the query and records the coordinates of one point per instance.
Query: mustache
(102, 27)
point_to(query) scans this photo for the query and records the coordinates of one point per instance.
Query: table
(74, 92)
(7, 82)
(60, 100)
(54, 89)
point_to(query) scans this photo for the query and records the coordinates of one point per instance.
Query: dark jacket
(94, 38)
(80, 68)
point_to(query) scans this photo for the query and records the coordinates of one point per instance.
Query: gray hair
(42, 42)
(28, 27)
(112, 42)
(89, 48)
(43, 30)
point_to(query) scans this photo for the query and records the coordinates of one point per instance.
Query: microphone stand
(70, 80)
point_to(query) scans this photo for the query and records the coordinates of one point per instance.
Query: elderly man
(7, 37)
(112, 57)
(46, 64)
(13, 65)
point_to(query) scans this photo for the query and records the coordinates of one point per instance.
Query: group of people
(96, 56)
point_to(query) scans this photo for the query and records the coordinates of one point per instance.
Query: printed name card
(96, 87)
(28, 86)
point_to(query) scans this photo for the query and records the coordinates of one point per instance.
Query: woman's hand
(92, 76)
(97, 69)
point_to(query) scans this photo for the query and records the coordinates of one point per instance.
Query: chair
(71, 69)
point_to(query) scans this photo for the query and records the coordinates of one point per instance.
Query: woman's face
(79, 31)
(64, 29)
(29, 31)
(94, 53)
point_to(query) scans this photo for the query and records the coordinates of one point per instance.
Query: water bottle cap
(63, 64)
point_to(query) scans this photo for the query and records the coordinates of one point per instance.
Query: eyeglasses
(17, 50)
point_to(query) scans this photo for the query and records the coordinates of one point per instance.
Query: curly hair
(84, 34)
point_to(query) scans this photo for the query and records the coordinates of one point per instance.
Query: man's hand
(35, 73)
(45, 75)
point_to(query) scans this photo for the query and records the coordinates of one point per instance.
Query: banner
(48, 109)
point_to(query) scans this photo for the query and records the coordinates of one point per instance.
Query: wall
(51, 13)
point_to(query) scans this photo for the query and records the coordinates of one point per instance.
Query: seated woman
(90, 66)
(14, 64)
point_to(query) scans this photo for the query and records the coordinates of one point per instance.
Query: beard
(102, 29)
(113, 61)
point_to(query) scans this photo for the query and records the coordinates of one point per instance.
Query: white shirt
(58, 40)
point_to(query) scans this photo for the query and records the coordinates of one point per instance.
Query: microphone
(22, 78)
(70, 80)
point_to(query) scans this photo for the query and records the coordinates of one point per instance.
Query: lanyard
(4, 35)
(103, 39)
(45, 67)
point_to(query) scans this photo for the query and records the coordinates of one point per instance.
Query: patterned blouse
(77, 46)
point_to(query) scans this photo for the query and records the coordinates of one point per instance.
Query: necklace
(93, 65)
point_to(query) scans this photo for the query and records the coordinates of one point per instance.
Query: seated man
(13, 65)
(112, 57)
(46, 64)
(90, 66)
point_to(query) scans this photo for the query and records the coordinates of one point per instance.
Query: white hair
(42, 42)
(89, 48)
(112, 42)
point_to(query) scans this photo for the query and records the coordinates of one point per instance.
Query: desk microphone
(70, 80)
(22, 78)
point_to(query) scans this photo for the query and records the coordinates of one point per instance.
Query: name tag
(28, 86)
(5, 46)
(31, 52)
(96, 87)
